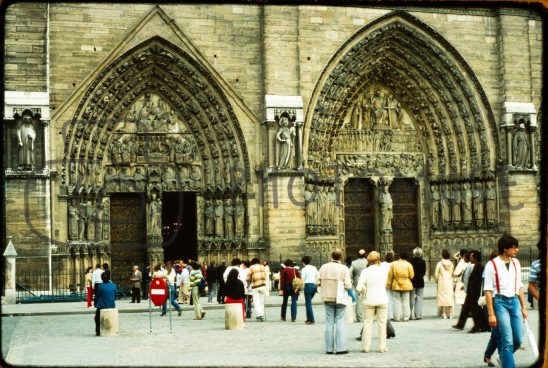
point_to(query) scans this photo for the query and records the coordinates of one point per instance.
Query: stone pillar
(298, 144)
(532, 151)
(9, 286)
(234, 316)
(109, 322)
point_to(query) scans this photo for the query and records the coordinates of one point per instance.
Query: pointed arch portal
(154, 121)
(398, 101)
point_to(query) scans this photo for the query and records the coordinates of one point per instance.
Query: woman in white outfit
(372, 283)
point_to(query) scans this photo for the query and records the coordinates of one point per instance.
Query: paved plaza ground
(62, 334)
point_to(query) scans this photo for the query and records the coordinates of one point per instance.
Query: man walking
(329, 277)
(356, 268)
(505, 299)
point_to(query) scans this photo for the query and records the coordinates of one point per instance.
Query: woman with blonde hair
(372, 284)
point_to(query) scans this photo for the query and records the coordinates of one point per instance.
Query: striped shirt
(256, 275)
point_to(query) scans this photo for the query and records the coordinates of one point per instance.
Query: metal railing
(39, 286)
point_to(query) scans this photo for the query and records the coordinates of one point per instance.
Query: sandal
(197, 318)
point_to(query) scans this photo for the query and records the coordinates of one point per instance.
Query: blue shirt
(534, 272)
(106, 295)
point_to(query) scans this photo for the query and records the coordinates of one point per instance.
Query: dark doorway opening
(179, 226)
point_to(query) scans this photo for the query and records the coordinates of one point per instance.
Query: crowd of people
(389, 289)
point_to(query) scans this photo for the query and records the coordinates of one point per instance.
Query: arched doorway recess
(397, 101)
(155, 121)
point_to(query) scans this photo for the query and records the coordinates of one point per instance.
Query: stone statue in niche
(491, 204)
(435, 206)
(447, 199)
(310, 210)
(477, 198)
(26, 137)
(154, 217)
(455, 206)
(219, 216)
(209, 213)
(229, 219)
(520, 147)
(385, 206)
(332, 206)
(466, 204)
(284, 142)
(239, 212)
(73, 219)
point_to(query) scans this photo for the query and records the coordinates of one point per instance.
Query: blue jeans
(492, 344)
(510, 328)
(287, 293)
(212, 291)
(171, 296)
(415, 300)
(335, 327)
(309, 291)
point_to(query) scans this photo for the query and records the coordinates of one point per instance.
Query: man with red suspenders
(505, 299)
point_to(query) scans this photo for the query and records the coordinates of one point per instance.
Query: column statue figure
(26, 136)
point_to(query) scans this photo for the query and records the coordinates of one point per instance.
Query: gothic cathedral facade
(138, 133)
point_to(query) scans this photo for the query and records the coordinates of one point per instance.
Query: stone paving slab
(62, 334)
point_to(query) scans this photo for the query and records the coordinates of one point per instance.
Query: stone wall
(253, 51)
(28, 216)
(25, 58)
(284, 218)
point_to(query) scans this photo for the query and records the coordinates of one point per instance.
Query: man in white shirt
(184, 285)
(505, 299)
(96, 278)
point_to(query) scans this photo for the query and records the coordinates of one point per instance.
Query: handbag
(297, 282)
(481, 300)
(342, 294)
(532, 340)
